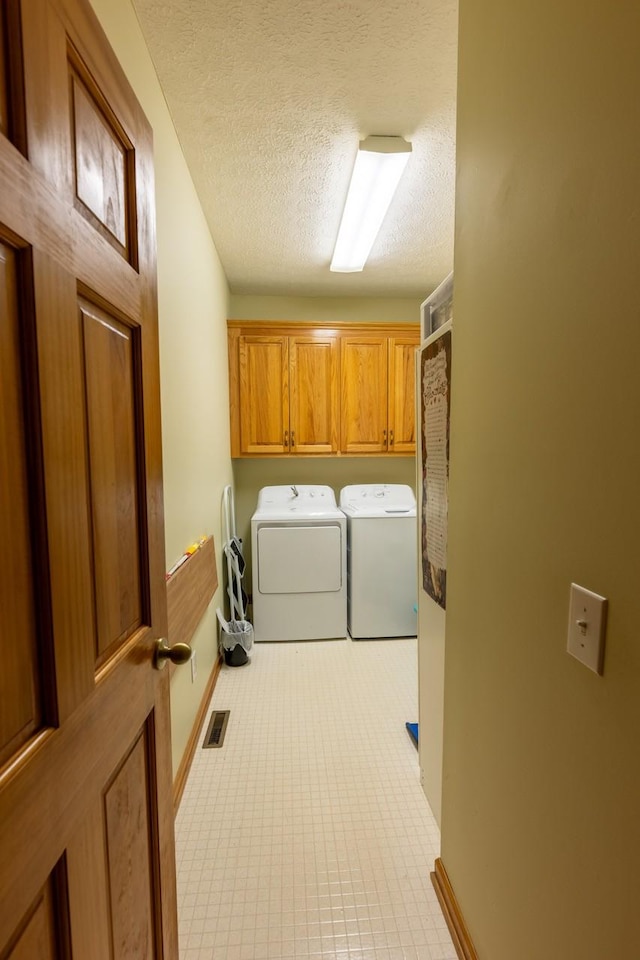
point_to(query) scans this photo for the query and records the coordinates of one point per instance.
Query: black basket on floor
(236, 639)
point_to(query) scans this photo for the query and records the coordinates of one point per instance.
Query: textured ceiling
(270, 98)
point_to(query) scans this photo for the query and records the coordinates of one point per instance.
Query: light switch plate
(587, 622)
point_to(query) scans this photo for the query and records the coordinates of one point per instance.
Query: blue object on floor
(413, 731)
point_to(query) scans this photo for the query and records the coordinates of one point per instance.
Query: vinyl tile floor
(308, 834)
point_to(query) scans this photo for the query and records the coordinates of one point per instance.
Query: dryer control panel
(300, 492)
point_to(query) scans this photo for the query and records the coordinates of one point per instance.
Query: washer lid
(378, 500)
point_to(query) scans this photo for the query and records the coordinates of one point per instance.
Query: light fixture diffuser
(379, 165)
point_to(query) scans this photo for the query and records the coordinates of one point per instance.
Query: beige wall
(193, 305)
(540, 822)
(332, 309)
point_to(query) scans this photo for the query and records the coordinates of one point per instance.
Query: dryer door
(300, 559)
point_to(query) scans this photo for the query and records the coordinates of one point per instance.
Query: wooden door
(313, 385)
(363, 414)
(264, 394)
(402, 401)
(86, 821)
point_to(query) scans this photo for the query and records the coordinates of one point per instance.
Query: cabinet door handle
(286, 438)
(293, 438)
(391, 437)
(384, 437)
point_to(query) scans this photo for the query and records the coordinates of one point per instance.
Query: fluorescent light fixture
(380, 163)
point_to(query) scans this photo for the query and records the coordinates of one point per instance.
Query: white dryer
(382, 557)
(299, 555)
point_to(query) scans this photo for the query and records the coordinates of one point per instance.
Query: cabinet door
(363, 425)
(402, 402)
(264, 394)
(313, 372)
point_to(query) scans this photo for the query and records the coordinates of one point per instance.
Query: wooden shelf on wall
(190, 591)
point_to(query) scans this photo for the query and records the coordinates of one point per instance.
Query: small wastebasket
(236, 637)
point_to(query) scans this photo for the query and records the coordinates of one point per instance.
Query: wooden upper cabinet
(378, 394)
(288, 394)
(364, 394)
(263, 394)
(321, 389)
(313, 396)
(402, 402)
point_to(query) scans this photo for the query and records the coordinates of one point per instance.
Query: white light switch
(587, 621)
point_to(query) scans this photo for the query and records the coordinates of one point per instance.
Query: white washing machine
(299, 555)
(382, 558)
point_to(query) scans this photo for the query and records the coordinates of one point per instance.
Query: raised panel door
(5, 124)
(363, 413)
(402, 402)
(313, 384)
(21, 705)
(86, 819)
(264, 394)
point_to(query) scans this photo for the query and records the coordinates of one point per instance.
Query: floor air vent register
(216, 729)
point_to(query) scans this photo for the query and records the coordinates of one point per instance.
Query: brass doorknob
(178, 653)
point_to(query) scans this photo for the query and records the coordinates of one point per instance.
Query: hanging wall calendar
(435, 394)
